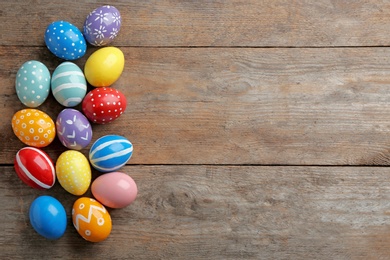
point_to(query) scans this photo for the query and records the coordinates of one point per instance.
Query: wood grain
(299, 106)
(260, 130)
(215, 212)
(212, 23)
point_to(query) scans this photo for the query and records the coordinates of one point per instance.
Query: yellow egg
(73, 172)
(104, 66)
(33, 127)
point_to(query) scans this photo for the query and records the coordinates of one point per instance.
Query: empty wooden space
(261, 130)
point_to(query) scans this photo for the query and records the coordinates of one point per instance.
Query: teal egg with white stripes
(110, 152)
(68, 84)
(32, 83)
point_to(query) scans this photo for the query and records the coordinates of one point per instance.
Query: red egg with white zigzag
(35, 168)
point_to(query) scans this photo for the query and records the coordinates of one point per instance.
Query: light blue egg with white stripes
(110, 152)
(68, 84)
(32, 83)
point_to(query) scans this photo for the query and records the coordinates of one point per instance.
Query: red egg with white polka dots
(103, 105)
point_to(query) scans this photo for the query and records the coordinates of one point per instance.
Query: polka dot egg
(73, 172)
(32, 83)
(65, 40)
(103, 105)
(33, 127)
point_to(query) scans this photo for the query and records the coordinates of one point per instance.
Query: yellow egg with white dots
(73, 172)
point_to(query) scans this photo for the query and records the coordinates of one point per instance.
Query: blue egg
(110, 152)
(65, 40)
(32, 83)
(48, 217)
(68, 84)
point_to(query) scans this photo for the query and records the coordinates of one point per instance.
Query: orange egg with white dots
(91, 219)
(73, 172)
(33, 127)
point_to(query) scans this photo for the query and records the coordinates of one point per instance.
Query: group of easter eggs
(103, 104)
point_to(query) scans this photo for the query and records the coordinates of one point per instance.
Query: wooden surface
(261, 130)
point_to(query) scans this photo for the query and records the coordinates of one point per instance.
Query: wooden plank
(215, 212)
(212, 23)
(206, 116)
(236, 106)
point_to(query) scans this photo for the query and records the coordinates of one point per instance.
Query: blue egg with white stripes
(68, 84)
(110, 152)
(65, 40)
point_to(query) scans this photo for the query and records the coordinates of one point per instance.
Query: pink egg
(115, 189)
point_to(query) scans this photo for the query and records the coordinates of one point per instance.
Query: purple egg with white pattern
(102, 25)
(73, 129)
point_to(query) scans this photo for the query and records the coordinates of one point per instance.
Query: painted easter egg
(73, 172)
(102, 25)
(110, 152)
(48, 217)
(114, 189)
(73, 129)
(104, 66)
(35, 168)
(65, 40)
(33, 127)
(103, 105)
(32, 83)
(68, 84)
(91, 219)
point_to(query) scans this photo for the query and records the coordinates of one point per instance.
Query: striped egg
(35, 168)
(110, 152)
(68, 84)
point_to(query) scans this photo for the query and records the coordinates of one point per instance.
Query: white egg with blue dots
(32, 83)
(65, 40)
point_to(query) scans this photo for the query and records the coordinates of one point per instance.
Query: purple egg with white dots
(73, 129)
(65, 40)
(102, 25)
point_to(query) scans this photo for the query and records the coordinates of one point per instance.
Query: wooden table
(261, 130)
